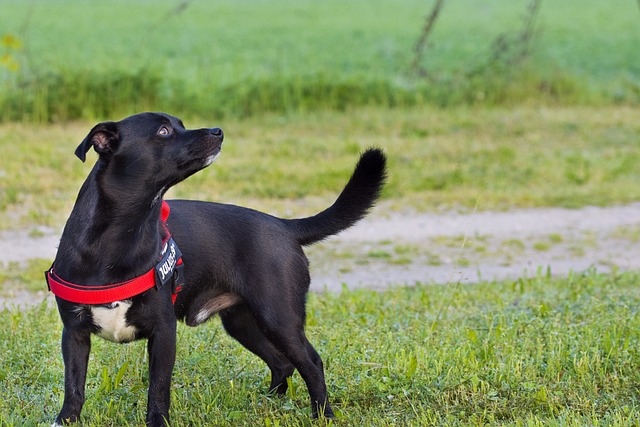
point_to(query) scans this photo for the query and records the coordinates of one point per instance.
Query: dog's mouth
(215, 136)
(211, 154)
(201, 160)
(200, 153)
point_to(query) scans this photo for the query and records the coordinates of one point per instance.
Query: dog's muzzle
(216, 136)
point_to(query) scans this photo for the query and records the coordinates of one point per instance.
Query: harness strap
(103, 294)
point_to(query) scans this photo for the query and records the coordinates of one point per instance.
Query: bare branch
(512, 50)
(530, 21)
(430, 21)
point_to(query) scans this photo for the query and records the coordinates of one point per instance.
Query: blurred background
(480, 105)
(70, 59)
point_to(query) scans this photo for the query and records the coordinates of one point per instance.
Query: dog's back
(239, 246)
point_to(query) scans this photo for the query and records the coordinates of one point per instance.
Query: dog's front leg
(162, 356)
(76, 345)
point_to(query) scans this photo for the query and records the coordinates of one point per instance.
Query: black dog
(245, 265)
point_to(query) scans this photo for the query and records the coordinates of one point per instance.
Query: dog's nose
(217, 132)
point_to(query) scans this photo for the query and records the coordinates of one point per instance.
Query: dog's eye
(164, 131)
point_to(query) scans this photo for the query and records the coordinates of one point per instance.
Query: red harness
(103, 294)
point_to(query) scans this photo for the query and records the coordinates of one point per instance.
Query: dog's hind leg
(286, 331)
(241, 325)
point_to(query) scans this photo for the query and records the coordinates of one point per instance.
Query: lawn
(535, 352)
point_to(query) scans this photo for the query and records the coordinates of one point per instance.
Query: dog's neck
(109, 239)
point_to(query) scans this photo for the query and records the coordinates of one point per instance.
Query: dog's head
(154, 147)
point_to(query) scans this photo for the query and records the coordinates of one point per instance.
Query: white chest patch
(113, 323)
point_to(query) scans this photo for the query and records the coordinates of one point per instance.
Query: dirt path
(396, 249)
(381, 252)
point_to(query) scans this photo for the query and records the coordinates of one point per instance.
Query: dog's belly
(113, 323)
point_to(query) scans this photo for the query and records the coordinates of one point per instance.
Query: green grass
(532, 352)
(91, 60)
(16, 276)
(461, 158)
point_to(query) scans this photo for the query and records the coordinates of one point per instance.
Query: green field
(535, 352)
(455, 159)
(300, 88)
(79, 59)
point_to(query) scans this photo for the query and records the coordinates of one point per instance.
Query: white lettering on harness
(168, 266)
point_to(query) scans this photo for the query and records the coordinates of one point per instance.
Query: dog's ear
(104, 138)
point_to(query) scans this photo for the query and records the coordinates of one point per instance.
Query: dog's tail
(353, 203)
